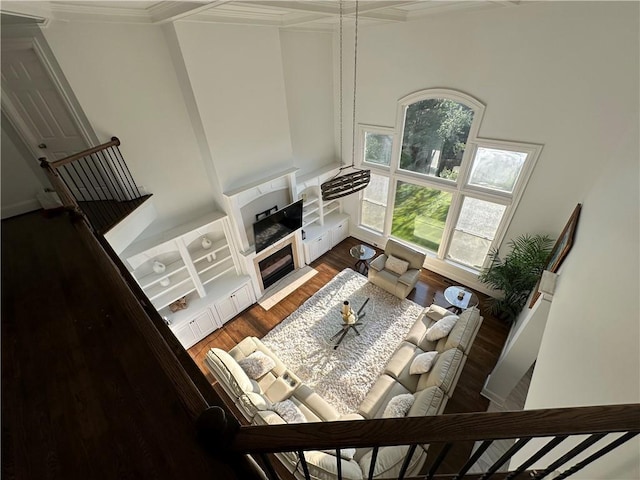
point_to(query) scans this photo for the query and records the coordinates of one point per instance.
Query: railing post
(216, 430)
(66, 197)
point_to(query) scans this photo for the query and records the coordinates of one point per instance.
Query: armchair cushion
(396, 265)
(410, 277)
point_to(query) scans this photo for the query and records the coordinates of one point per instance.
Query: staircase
(97, 184)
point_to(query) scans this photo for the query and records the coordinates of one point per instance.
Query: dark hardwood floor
(83, 395)
(430, 289)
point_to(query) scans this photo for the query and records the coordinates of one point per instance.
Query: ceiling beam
(165, 12)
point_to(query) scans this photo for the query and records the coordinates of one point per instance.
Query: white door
(242, 298)
(33, 102)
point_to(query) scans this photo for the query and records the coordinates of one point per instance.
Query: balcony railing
(97, 184)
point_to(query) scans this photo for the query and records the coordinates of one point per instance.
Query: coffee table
(347, 327)
(363, 253)
(460, 298)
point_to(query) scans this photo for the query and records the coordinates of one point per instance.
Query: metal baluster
(473, 459)
(93, 216)
(570, 454)
(507, 455)
(271, 473)
(339, 464)
(438, 461)
(372, 465)
(122, 210)
(305, 467)
(128, 175)
(95, 171)
(407, 460)
(541, 453)
(603, 451)
(98, 203)
(114, 170)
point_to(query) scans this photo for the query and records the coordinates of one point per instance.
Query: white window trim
(459, 189)
(364, 129)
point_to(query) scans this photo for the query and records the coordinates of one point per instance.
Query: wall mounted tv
(278, 225)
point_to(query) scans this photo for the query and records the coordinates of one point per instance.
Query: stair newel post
(216, 430)
(61, 188)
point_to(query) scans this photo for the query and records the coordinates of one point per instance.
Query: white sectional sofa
(258, 398)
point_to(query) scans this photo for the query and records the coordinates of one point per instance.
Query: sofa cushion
(257, 364)
(417, 333)
(422, 363)
(430, 401)
(441, 328)
(376, 400)
(229, 372)
(252, 344)
(250, 403)
(389, 461)
(398, 406)
(399, 364)
(396, 265)
(289, 411)
(464, 331)
(445, 371)
(324, 466)
(313, 405)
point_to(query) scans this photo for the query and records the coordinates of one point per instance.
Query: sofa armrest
(378, 263)
(410, 277)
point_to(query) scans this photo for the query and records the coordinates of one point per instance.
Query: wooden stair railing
(96, 184)
(558, 424)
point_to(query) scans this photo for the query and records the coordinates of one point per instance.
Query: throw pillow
(345, 453)
(396, 265)
(441, 328)
(398, 406)
(422, 363)
(257, 364)
(289, 412)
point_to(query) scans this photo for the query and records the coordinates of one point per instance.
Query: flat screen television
(278, 225)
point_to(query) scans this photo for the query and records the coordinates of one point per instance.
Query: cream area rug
(343, 376)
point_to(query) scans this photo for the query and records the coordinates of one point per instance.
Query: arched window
(441, 187)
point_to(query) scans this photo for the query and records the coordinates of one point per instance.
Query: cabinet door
(339, 233)
(203, 324)
(318, 246)
(242, 298)
(185, 334)
(226, 309)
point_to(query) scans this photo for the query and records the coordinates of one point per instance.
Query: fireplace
(276, 266)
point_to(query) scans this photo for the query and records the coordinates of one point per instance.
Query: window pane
(434, 137)
(374, 202)
(496, 169)
(476, 228)
(377, 148)
(419, 214)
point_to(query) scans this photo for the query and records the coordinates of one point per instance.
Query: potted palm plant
(516, 274)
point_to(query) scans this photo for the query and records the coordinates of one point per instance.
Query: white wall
(237, 80)
(555, 73)
(590, 353)
(307, 59)
(124, 80)
(19, 182)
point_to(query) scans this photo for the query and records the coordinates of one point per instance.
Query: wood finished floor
(83, 396)
(255, 321)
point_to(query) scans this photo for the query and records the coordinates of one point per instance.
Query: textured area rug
(343, 376)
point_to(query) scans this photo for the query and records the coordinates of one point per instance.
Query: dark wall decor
(561, 248)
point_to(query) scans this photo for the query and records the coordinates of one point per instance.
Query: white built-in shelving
(206, 273)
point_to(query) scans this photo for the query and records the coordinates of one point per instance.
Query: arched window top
(437, 124)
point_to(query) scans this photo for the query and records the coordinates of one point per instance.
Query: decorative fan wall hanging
(344, 184)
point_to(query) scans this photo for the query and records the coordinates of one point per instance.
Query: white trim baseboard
(20, 208)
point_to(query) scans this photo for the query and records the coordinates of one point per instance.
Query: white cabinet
(339, 232)
(315, 247)
(322, 238)
(203, 315)
(192, 331)
(235, 303)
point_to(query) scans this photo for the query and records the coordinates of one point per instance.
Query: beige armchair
(397, 275)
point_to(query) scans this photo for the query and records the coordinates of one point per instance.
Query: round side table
(460, 298)
(362, 253)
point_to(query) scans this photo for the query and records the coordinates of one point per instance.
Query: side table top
(362, 252)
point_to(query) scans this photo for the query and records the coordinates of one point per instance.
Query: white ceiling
(308, 14)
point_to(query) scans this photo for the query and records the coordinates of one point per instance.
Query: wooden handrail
(77, 156)
(438, 428)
